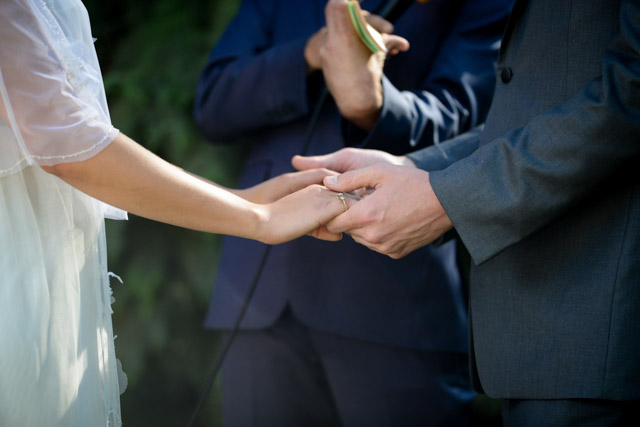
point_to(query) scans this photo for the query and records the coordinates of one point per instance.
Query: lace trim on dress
(106, 138)
(21, 164)
(25, 160)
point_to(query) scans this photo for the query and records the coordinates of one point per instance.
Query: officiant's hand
(282, 185)
(317, 40)
(303, 212)
(352, 72)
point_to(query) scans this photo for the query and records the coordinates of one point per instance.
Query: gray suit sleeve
(441, 155)
(518, 183)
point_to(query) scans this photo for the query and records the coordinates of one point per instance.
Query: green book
(369, 35)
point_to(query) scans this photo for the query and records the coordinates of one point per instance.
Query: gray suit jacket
(546, 199)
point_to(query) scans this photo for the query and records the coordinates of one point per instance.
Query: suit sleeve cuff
(457, 193)
(443, 154)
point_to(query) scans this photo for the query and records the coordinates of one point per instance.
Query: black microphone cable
(390, 10)
(256, 278)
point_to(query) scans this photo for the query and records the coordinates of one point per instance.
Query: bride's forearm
(238, 192)
(277, 187)
(130, 177)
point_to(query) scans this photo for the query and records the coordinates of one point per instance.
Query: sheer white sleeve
(57, 364)
(52, 106)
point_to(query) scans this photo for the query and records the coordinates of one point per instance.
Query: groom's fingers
(348, 222)
(360, 214)
(322, 233)
(352, 219)
(303, 163)
(339, 161)
(345, 159)
(295, 181)
(362, 218)
(368, 177)
(311, 176)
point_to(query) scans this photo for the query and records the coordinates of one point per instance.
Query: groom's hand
(349, 159)
(283, 185)
(400, 216)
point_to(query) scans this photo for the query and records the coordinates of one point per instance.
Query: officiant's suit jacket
(255, 86)
(548, 205)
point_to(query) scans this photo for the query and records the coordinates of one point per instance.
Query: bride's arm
(279, 186)
(130, 177)
(53, 102)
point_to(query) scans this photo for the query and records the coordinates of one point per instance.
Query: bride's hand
(282, 185)
(303, 212)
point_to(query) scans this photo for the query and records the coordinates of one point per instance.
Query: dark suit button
(506, 75)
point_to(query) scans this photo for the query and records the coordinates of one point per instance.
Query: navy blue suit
(255, 86)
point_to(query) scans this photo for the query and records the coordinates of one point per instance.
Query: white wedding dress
(57, 359)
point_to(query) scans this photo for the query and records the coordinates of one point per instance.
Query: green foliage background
(151, 53)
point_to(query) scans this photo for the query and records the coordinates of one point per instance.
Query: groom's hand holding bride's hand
(400, 216)
(282, 185)
(295, 203)
(305, 211)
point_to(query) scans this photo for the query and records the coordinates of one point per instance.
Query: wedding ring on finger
(340, 197)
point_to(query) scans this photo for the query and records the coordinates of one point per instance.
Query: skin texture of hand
(282, 185)
(400, 216)
(352, 72)
(302, 212)
(349, 159)
(274, 192)
(318, 39)
(312, 50)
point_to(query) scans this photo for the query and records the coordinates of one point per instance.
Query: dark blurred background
(151, 53)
